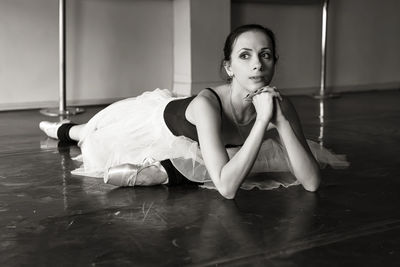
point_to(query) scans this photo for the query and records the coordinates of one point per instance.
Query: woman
(242, 126)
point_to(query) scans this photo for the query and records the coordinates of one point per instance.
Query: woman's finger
(265, 89)
(279, 94)
(272, 89)
(249, 97)
(273, 92)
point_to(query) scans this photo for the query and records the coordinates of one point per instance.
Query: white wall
(200, 28)
(115, 49)
(120, 48)
(363, 43)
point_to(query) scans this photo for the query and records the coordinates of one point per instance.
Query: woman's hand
(263, 102)
(279, 116)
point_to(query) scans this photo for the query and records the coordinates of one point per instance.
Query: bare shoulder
(204, 105)
(209, 94)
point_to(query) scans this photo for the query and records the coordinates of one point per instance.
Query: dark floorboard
(50, 218)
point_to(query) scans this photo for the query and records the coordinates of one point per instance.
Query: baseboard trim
(287, 91)
(342, 89)
(54, 104)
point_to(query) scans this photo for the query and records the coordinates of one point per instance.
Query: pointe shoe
(50, 128)
(149, 173)
(122, 175)
(153, 173)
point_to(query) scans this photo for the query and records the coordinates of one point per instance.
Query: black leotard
(174, 117)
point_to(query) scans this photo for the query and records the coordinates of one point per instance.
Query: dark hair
(232, 37)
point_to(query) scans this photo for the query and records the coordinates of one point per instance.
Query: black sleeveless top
(174, 117)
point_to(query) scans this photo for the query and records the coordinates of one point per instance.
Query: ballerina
(223, 134)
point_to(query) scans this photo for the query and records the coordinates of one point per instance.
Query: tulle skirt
(133, 130)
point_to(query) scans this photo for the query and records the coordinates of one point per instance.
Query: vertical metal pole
(62, 58)
(324, 36)
(62, 106)
(323, 47)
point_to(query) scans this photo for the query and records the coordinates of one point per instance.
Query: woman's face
(252, 61)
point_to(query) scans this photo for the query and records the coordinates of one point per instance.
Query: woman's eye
(244, 56)
(266, 55)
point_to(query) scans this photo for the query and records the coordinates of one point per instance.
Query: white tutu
(131, 130)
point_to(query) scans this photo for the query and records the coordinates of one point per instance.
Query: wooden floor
(50, 218)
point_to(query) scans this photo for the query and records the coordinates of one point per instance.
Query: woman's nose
(257, 64)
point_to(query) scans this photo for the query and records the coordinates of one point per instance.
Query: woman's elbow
(311, 187)
(226, 192)
(312, 184)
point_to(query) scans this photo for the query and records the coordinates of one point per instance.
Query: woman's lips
(257, 78)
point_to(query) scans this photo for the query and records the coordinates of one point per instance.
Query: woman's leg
(75, 132)
(62, 130)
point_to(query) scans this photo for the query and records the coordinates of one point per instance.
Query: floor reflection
(321, 117)
(240, 229)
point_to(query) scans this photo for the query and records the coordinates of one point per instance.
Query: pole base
(325, 96)
(56, 112)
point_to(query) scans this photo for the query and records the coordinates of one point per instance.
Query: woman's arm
(304, 166)
(226, 174)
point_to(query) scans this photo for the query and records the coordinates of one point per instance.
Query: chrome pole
(62, 57)
(62, 107)
(324, 36)
(323, 47)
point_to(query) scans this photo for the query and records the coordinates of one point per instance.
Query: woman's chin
(257, 86)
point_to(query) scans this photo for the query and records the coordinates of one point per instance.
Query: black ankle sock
(174, 176)
(63, 133)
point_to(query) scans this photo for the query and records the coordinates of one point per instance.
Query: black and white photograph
(199, 133)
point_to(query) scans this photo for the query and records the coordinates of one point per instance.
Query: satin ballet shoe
(122, 175)
(152, 174)
(50, 128)
(149, 173)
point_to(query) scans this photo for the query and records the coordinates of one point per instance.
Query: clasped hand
(266, 101)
